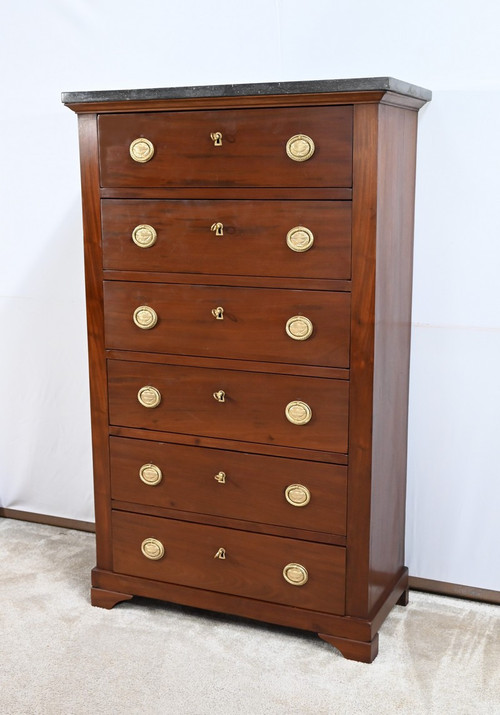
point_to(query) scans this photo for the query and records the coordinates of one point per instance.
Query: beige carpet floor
(60, 656)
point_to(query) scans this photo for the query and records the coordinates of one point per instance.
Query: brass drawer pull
(216, 137)
(297, 495)
(149, 396)
(220, 396)
(221, 554)
(220, 477)
(218, 313)
(153, 549)
(296, 574)
(299, 239)
(300, 147)
(142, 150)
(145, 317)
(150, 474)
(298, 412)
(298, 327)
(144, 235)
(217, 228)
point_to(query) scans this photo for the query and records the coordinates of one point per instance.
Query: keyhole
(216, 137)
(218, 228)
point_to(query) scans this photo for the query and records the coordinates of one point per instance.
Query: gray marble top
(366, 84)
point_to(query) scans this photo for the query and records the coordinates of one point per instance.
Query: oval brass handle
(298, 412)
(299, 239)
(296, 574)
(300, 147)
(220, 396)
(153, 549)
(298, 327)
(142, 150)
(220, 554)
(150, 474)
(216, 137)
(144, 235)
(220, 477)
(218, 313)
(217, 228)
(297, 495)
(149, 396)
(145, 317)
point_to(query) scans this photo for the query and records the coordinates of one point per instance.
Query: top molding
(325, 86)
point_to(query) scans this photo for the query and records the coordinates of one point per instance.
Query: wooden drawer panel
(253, 566)
(253, 488)
(253, 411)
(253, 240)
(253, 150)
(253, 324)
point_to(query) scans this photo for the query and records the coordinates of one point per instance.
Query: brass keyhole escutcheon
(149, 396)
(144, 235)
(142, 150)
(297, 495)
(220, 477)
(150, 474)
(220, 396)
(145, 317)
(300, 147)
(153, 549)
(220, 554)
(299, 239)
(298, 412)
(298, 327)
(217, 228)
(218, 313)
(216, 137)
(295, 574)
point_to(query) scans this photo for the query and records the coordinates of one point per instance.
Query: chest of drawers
(248, 254)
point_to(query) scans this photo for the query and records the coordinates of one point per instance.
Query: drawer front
(253, 240)
(252, 150)
(240, 323)
(253, 564)
(253, 409)
(229, 484)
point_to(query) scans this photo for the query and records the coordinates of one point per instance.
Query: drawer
(253, 409)
(253, 565)
(179, 238)
(229, 484)
(253, 149)
(229, 322)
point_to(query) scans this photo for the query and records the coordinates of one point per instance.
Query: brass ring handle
(218, 313)
(300, 147)
(149, 396)
(144, 235)
(299, 239)
(142, 150)
(145, 317)
(298, 412)
(153, 549)
(295, 574)
(298, 327)
(216, 137)
(220, 477)
(217, 228)
(220, 396)
(150, 474)
(297, 495)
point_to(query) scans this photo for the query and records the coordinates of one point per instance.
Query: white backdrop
(449, 46)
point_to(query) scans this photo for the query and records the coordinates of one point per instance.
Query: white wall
(449, 46)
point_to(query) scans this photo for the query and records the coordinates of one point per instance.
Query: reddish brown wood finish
(253, 242)
(254, 487)
(253, 411)
(252, 326)
(107, 599)
(252, 153)
(352, 649)
(250, 193)
(253, 564)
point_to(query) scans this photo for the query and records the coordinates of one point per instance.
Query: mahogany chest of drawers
(248, 255)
